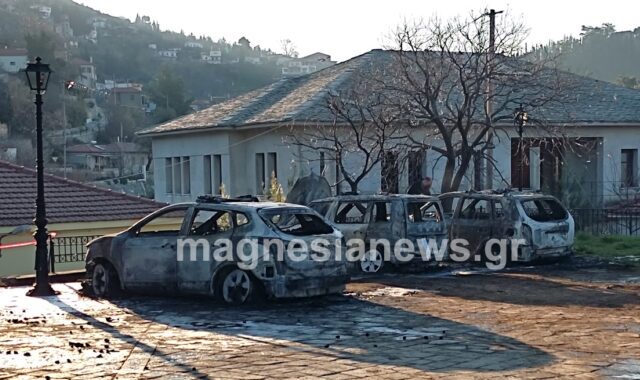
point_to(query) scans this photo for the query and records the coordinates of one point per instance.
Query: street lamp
(38, 74)
(520, 118)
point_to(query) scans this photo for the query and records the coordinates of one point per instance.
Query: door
(208, 230)
(351, 218)
(473, 223)
(149, 255)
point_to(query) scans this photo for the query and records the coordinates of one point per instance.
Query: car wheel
(104, 280)
(372, 261)
(236, 287)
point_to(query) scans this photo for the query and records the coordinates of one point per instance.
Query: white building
(168, 54)
(193, 44)
(13, 60)
(242, 141)
(306, 65)
(88, 75)
(214, 57)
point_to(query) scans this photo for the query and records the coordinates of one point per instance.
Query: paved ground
(541, 323)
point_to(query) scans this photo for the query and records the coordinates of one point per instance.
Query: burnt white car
(541, 221)
(146, 257)
(390, 217)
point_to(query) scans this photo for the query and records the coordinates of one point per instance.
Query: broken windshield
(544, 210)
(296, 223)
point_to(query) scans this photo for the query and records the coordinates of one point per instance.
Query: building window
(629, 167)
(168, 174)
(186, 175)
(217, 173)
(260, 177)
(272, 165)
(177, 176)
(207, 174)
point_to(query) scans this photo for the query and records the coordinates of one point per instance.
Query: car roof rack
(220, 199)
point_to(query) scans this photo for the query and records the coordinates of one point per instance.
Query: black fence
(607, 221)
(68, 249)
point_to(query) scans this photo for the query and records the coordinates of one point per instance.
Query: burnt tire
(104, 280)
(371, 262)
(236, 286)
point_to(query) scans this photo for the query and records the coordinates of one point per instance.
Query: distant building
(88, 76)
(64, 29)
(117, 159)
(307, 65)
(169, 54)
(193, 44)
(214, 57)
(13, 60)
(130, 96)
(43, 10)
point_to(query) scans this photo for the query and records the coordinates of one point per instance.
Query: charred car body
(146, 258)
(545, 226)
(390, 217)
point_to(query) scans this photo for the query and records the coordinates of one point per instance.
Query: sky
(345, 28)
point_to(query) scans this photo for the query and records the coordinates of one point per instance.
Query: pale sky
(345, 28)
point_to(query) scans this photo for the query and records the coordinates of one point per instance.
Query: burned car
(156, 256)
(542, 224)
(391, 217)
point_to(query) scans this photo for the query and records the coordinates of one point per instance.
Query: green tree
(40, 45)
(123, 122)
(167, 91)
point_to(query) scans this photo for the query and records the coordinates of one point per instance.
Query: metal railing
(68, 249)
(602, 221)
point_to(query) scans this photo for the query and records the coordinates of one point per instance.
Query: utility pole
(492, 52)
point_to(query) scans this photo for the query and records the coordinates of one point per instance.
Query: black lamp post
(38, 77)
(520, 118)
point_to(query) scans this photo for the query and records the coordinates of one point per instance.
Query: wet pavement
(390, 327)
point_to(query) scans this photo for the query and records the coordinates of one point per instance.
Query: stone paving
(396, 327)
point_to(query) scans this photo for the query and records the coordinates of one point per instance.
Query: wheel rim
(371, 262)
(236, 287)
(100, 279)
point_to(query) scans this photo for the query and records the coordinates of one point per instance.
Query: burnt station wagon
(144, 257)
(544, 224)
(385, 216)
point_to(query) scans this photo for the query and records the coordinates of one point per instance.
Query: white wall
(239, 147)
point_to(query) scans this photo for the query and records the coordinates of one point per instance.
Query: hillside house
(243, 141)
(13, 60)
(115, 159)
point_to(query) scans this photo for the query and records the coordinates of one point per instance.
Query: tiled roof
(123, 147)
(66, 201)
(304, 99)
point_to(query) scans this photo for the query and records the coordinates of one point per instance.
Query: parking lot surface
(539, 323)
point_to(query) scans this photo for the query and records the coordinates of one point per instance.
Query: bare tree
(463, 93)
(288, 48)
(365, 130)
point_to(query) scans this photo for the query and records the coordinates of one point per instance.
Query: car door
(351, 218)
(384, 223)
(149, 254)
(208, 229)
(473, 222)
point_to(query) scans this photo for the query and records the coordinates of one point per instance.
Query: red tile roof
(66, 201)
